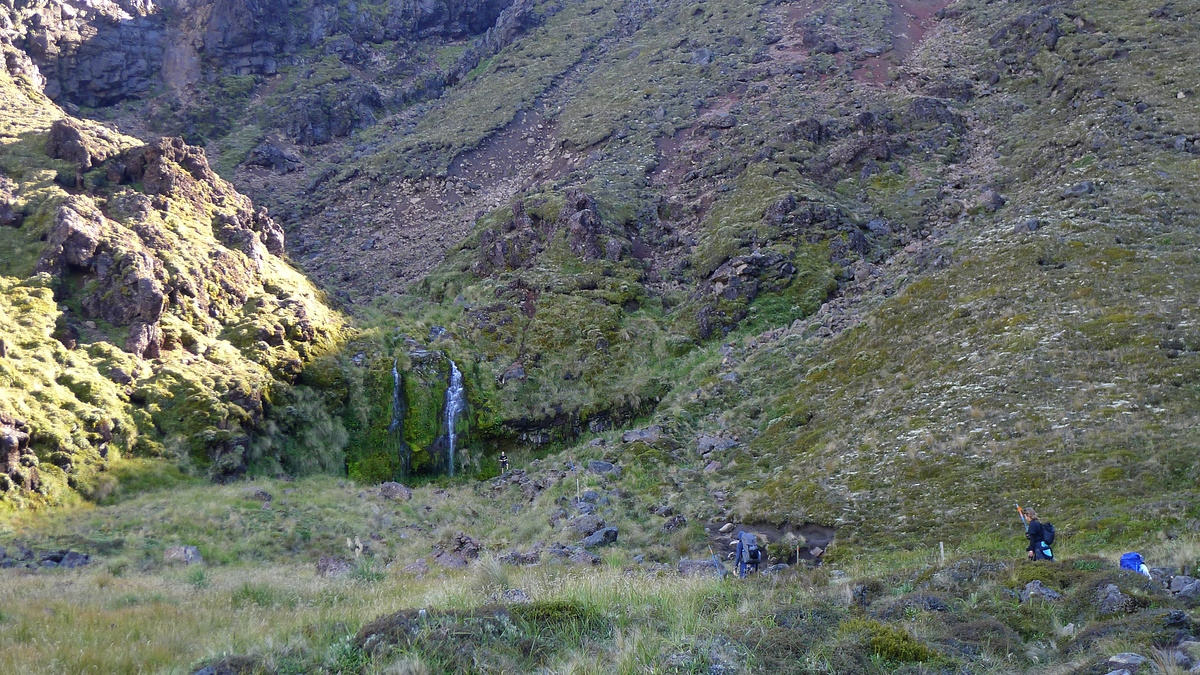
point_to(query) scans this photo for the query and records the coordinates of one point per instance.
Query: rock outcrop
(18, 464)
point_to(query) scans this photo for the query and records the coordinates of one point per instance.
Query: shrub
(889, 642)
(558, 615)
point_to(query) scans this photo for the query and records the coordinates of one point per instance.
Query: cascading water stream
(455, 403)
(396, 427)
(396, 406)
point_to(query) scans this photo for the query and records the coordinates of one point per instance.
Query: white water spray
(455, 403)
(395, 425)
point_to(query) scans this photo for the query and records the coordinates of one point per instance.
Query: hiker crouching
(1039, 546)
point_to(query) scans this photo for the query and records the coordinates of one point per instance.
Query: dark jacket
(1036, 534)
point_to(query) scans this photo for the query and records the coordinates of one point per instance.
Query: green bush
(559, 615)
(889, 642)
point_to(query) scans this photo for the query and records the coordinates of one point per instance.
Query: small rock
(992, 200)
(712, 466)
(1180, 582)
(1111, 600)
(1027, 225)
(449, 560)
(1118, 672)
(188, 555)
(1190, 592)
(1126, 660)
(600, 467)
(419, 568)
(602, 537)
(827, 47)
(1163, 575)
(258, 495)
(72, 560)
(395, 491)
(706, 444)
(515, 596)
(648, 435)
(590, 496)
(1035, 589)
(332, 568)
(1083, 189)
(560, 514)
(726, 528)
(582, 557)
(674, 523)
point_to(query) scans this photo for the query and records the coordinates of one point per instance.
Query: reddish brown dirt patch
(909, 22)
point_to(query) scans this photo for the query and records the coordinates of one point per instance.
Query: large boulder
(601, 537)
(395, 491)
(586, 525)
(68, 141)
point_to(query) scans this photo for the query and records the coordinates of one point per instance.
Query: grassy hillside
(856, 277)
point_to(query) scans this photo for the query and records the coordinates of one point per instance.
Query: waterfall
(397, 420)
(396, 427)
(455, 403)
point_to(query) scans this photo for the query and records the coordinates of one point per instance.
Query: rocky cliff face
(100, 53)
(145, 308)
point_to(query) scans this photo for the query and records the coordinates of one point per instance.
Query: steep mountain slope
(851, 276)
(879, 252)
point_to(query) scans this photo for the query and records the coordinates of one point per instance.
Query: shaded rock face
(18, 464)
(449, 18)
(94, 54)
(513, 245)
(582, 222)
(10, 214)
(97, 54)
(333, 111)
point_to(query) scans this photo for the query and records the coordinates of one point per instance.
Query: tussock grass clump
(559, 616)
(886, 641)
